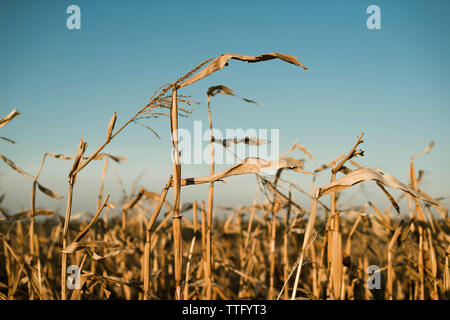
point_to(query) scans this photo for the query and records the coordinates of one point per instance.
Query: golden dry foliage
(212, 91)
(222, 61)
(14, 113)
(145, 246)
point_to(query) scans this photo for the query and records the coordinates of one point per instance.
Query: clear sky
(392, 84)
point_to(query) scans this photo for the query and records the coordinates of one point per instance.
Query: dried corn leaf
(155, 197)
(427, 149)
(148, 128)
(60, 156)
(81, 148)
(301, 148)
(329, 164)
(117, 159)
(251, 141)
(100, 156)
(7, 139)
(212, 91)
(365, 174)
(390, 197)
(76, 246)
(249, 166)
(15, 167)
(436, 205)
(49, 192)
(111, 124)
(9, 117)
(222, 60)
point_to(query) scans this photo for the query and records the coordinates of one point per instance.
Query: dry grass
(272, 249)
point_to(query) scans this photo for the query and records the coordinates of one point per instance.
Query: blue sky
(392, 84)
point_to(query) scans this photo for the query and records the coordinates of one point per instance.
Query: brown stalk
(433, 261)
(391, 271)
(72, 179)
(33, 204)
(94, 219)
(250, 221)
(273, 236)
(204, 245)
(194, 216)
(188, 265)
(147, 247)
(447, 270)
(102, 184)
(176, 222)
(334, 236)
(130, 205)
(209, 209)
(285, 247)
(305, 245)
(349, 238)
(419, 214)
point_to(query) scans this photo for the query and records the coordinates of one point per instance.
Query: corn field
(154, 245)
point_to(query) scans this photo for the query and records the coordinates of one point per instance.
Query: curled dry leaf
(148, 128)
(222, 60)
(365, 174)
(76, 246)
(16, 167)
(390, 197)
(49, 192)
(81, 148)
(100, 156)
(7, 139)
(251, 141)
(212, 91)
(117, 159)
(427, 149)
(9, 117)
(60, 156)
(301, 148)
(249, 166)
